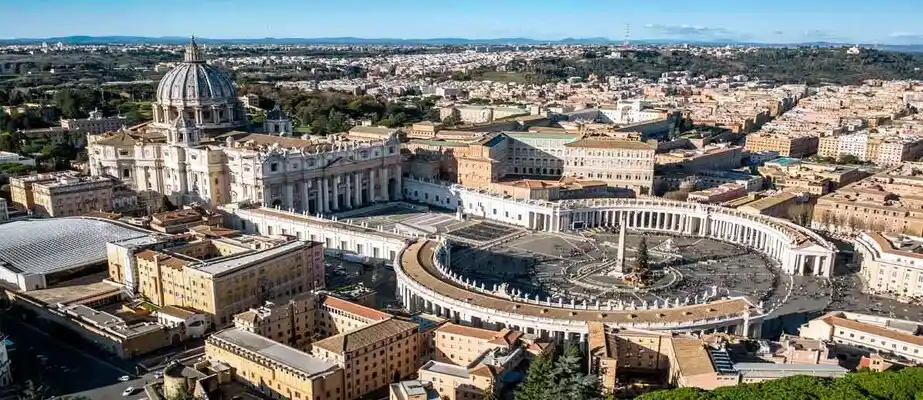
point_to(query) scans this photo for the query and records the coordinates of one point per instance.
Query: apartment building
(793, 175)
(274, 369)
(712, 157)
(889, 201)
(372, 356)
(21, 192)
(290, 321)
(468, 361)
(218, 276)
(340, 316)
(785, 145)
(867, 334)
(891, 264)
(885, 148)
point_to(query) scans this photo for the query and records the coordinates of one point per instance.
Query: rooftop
(43, 246)
(275, 351)
(233, 263)
(366, 336)
(445, 368)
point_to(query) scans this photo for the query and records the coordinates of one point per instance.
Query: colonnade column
(357, 190)
(289, 196)
(384, 183)
(325, 193)
(348, 195)
(336, 193)
(372, 197)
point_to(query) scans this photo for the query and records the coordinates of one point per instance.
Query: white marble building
(184, 155)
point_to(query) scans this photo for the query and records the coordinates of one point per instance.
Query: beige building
(891, 264)
(786, 145)
(373, 356)
(865, 334)
(290, 322)
(618, 355)
(883, 149)
(627, 164)
(180, 221)
(713, 157)
(67, 193)
(565, 188)
(95, 124)
(889, 201)
(274, 369)
(468, 361)
(221, 276)
(802, 177)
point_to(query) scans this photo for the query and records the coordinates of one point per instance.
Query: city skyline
(785, 21)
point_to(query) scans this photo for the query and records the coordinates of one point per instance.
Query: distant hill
(86, 40)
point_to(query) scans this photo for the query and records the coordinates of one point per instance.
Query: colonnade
(419, 297)
(337, 192)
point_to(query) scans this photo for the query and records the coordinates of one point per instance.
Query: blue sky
(882, 21)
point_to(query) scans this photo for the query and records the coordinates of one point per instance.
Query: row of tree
(323, 112)
(787, 65)
(906, 384)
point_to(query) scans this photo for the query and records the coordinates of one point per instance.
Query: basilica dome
(199, 92)
(195, 82)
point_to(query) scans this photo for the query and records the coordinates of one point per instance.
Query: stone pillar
(398, 184)
(325, 194)
(289, 200)
(357, 190)
(305, 195)
(372, 195)
(336, 193)
(384, 184)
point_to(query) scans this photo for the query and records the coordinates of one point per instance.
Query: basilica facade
(197, 150)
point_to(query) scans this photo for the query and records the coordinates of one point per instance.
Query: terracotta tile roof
(246, 316)
(506, 337)
(355, 340)
(148, 255)
(841, 322)
(691, 357)
(356, 309)
(455, 329)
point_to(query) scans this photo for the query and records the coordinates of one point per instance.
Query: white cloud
(697, 31)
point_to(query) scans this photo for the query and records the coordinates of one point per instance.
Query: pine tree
(642, 263)
(538, 381)
(570, 382)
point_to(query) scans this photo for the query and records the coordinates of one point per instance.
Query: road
(63, 369)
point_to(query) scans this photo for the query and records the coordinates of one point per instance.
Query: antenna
(627, 42)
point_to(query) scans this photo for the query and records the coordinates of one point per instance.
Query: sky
(772, 21)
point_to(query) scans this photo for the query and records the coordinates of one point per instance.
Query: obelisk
(620, 257)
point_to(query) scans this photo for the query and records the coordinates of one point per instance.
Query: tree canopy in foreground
(906, 384)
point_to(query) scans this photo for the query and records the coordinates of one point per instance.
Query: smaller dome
(276, 114)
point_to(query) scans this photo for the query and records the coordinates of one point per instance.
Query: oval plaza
(426, 283)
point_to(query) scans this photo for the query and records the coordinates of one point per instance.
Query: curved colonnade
(426, 284)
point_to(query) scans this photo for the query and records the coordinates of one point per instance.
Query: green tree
(569, 380)
(490, 393)
(538, 383)
(848, 159)
(68, 102)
